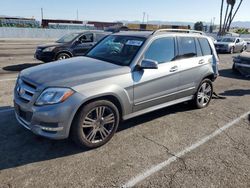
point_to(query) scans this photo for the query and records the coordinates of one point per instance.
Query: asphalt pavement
(178, 146)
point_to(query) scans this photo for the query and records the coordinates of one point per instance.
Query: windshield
(117, 49)
(68, 38)
(228, 40)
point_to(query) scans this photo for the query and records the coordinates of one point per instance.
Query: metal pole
(42, 13)
(143, 19)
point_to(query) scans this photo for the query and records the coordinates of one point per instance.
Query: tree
(229, 15)
(198, 26)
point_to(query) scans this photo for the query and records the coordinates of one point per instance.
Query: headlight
(49, 49)
(54, 96)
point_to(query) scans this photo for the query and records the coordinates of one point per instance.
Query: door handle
(174, 68)
(202, 61)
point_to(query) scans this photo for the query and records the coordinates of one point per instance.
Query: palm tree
(221, 14)
(231, 20)
(229, 15)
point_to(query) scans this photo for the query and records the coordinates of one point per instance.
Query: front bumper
(51, 121)
(44, 56)
(242, 64)
(222, 49)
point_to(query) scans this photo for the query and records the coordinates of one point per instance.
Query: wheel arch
(109, 97)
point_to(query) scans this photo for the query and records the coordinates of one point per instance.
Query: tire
(89, 128)
(244, 49)
(204, 94)
(234, 69)
(62, 56)
(231, 50)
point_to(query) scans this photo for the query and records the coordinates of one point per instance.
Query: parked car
(242, 63)
(73, 44)
(230, 45)
(247, 40)
(125, 75)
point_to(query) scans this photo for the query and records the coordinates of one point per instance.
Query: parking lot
(177, 146)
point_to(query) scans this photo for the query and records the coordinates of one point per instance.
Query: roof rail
(178, 31)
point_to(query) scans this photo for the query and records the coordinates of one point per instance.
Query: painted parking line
(148, 172)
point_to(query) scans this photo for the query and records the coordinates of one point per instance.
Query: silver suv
(125, 75)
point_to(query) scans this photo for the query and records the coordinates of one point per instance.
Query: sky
(117, 10)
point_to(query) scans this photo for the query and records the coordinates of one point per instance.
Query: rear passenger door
(192, 65)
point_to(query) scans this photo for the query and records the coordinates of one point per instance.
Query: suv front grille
(25, 90)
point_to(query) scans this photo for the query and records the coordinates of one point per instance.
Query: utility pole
(77, 15)
(42, 13)
(147, 18)
(143, 18)
(41, 17)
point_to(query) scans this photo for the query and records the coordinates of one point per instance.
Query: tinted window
(86, 38)
(68, 38)
(186, 46)
(228, 40)
(206, 49)
(161, 50)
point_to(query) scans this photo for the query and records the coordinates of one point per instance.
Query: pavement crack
(180, 169)
(237, 145)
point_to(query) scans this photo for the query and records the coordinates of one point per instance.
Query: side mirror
(149, 64)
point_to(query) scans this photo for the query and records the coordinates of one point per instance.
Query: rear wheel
(95, 124)
(62, 56)
(204, 94)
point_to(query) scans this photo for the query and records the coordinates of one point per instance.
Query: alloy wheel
(98, 124)
(204, 94)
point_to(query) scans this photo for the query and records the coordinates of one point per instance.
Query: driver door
(157, 86)
(83, 44)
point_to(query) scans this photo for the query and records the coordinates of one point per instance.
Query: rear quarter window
(205, 46)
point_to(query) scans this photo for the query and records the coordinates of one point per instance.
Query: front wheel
(204, 94)
(62, 56)
(231, 50)
(95, 124)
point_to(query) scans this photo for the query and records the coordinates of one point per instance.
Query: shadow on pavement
(20, 147)
(20, 67)
(229, 73)
(236, 92)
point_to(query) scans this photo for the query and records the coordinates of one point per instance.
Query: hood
(72, 72)
(50, 45)
(245, 56)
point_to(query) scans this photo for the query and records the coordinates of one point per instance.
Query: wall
(11, 32)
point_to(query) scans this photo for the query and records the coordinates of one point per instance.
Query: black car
(73, 44)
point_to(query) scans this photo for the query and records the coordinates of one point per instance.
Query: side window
(187, 47)
(205, 46)
(198, 48)
(86, 38)
(161, 50)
